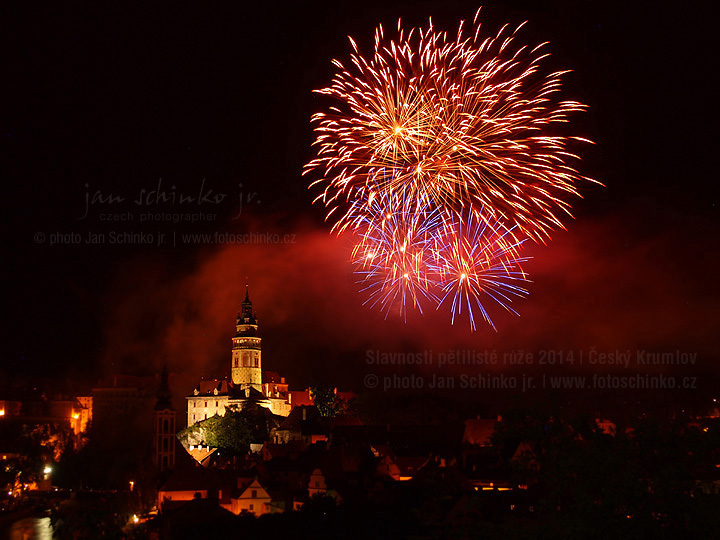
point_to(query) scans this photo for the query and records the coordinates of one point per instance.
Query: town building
(10, 408)
(122, 397)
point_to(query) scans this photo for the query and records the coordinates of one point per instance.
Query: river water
(31, 528)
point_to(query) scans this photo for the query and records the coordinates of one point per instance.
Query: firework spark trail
(396, 236)
(411, 253)
(475, 261)
(461, 120)
(430, 134)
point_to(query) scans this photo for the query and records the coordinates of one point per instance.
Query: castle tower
(246, 366)
(164, 426)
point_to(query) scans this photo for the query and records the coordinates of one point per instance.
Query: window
(251, 507)
(206, 404)
(253, 494)
(216, 403)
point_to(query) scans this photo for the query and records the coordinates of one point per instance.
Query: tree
(230, 433)
(326, 400)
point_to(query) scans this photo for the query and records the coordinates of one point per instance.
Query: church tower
(164, 426)
(246, 366)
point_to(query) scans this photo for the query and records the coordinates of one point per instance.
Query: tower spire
(164, 425)
(246, 314)
(164, 397)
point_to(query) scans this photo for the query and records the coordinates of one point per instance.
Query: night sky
(112, 99)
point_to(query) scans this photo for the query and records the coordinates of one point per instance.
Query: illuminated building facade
(247, 382)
